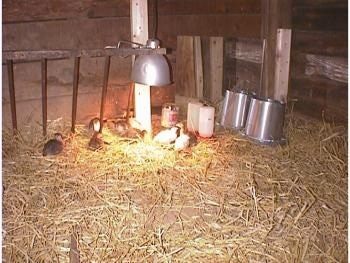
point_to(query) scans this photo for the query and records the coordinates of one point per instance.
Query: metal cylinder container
(265, 120)
(235, 109)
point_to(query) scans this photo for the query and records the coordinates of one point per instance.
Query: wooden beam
(198, 66)
(282, 64)
(139, 34)
(44, 93)
(216, 49)
(12, 94)
(60, 54)
(185, 67)
(75, 92)
(275, 14)
(63, 10)
(189, 67)
(104, 89)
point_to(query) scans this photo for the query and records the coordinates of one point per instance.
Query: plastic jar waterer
(170, 113)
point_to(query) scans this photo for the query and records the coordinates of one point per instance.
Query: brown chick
(96, 142)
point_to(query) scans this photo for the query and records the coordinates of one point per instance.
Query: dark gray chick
(54, 146)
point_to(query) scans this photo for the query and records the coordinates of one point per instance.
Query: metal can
(170, 113)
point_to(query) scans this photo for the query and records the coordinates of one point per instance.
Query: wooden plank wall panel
(275, 14)
(209, 7)
(185, 70)
(321, 42)
(15, 11)
(319, 28)
(242, 64)
(65, 34)
(37, 10)
(228, 25)
(229, 71)
(92, 24)
(324, 18)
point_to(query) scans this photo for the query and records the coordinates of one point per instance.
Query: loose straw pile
(226, 199)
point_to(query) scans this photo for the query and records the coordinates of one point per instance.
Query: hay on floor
(225, 199)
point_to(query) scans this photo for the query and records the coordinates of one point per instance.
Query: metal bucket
(235, 109)
(265, 121)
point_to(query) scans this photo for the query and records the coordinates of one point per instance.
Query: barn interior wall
(319, 27)
(38, 25)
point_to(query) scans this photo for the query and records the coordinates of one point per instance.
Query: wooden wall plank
(216, 49)
(69, 24)
(318, 3)
(206, 66)
(229, 71)
(209, 7)
(275, 14)
(248, 76)
(206, 26)
(198, 66)
(321, 42)
(242, 63)
(185, 67)
(213, 62)
(283, 46)
(36, 10)
(66, 34)
(320, 18)
(314, 97)
(320, 30)
(139, 34)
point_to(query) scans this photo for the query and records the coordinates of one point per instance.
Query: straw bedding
(226, 199)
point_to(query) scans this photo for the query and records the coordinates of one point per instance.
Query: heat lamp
(152, 70)
(149, 69)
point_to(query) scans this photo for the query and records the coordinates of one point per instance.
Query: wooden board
(330, 18)
(216, 49)
(212, 54)
(198, 66)
(275, 14)
(139, 34)
(185, 67)
(328, 44)
(37, 10)
(283, 46)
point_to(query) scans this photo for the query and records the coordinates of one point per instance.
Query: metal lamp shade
(152, 70)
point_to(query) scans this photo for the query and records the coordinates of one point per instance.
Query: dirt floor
(226, 199)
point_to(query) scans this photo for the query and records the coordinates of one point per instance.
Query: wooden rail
(9, 57)
(30, 55)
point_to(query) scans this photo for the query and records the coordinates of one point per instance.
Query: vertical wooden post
(198, 66)
(44, 93)
(275, 14)
(282, 64)
(139, 34)
(12, 94)
(216, 49)
(104, 89)
(230, 61)
(185, 67)
(75, 92)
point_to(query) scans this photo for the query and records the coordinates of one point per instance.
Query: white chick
(183, 141)
(167, 136)
(95, 124)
